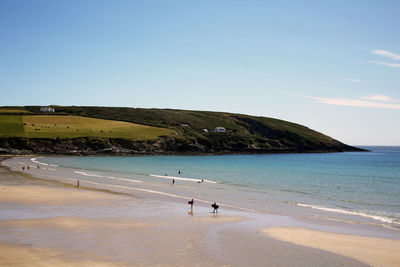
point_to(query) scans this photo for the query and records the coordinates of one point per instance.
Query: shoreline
(160, 188)
(229, 220)
(288, 206)
(187, 153)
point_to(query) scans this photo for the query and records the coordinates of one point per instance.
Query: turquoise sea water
(363, 184)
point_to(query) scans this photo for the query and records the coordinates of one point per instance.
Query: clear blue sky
(333, 66)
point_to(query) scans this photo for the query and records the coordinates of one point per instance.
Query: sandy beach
(52, 223)
(373, 251)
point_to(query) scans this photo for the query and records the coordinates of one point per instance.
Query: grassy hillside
(14, 110)
(171, 130)
(11, 125)
(45, 126)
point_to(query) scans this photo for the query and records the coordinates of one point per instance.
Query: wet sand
(49, 223)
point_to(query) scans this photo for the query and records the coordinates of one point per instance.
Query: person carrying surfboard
(191, 202)
(215, 207)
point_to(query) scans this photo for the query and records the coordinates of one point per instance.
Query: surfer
(215, 207)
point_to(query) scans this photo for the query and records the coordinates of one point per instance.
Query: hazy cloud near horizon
(374, 101)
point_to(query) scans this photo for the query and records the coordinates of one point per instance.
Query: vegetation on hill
(45, 126)
(169, 131)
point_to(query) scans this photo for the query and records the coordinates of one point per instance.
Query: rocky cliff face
(165, 145)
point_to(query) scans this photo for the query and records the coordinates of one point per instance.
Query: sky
(333, 66)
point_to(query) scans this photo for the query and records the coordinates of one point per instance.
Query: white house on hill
(47, 109)
(219, 130)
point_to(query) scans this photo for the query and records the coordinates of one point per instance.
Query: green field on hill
(11, 125)
(54, 126)
(13, 111)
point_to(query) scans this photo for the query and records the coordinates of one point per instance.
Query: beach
(47, 220)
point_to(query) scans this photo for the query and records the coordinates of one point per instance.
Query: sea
(359, 187)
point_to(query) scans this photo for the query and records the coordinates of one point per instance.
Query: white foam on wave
(108, 177)
(38, 162)
(375, 217)
(124, 179)
(88, 174)
(183, 178)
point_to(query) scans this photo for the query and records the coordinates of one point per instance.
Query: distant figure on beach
(215, 207)
(28, 167)
(38, 166)
(173, 181)
(77, 184)
(191, 203)
(23, 168)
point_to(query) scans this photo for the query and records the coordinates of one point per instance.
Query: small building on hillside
(219, 130)
(47, 109)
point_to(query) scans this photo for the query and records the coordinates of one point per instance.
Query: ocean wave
(42, 163)
(352, 222)
(294, 191)
(88, 174)
(108, 177)
(343, 211)
(38, 162)
(124, 179)
(183, 178)
(367, 203)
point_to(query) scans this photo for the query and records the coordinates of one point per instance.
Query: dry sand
(18, 255)
(31, 194)
(373, 251)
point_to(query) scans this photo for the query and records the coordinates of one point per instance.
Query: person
(173, 181)
(38, 166)
(23, 168)
(191, 202)
(77, 184)
(28, 167)
(215, 207)
(179, 172)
